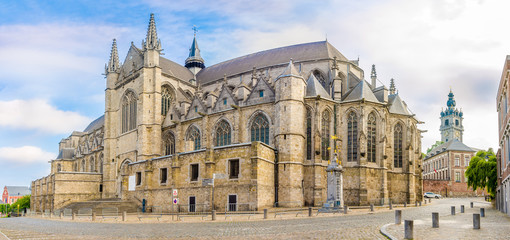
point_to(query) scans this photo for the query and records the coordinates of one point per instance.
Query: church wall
(374, 186)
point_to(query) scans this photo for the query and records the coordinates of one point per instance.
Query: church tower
(194, 62)
(451, 121)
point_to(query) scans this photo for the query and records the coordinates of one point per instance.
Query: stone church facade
(264, 126)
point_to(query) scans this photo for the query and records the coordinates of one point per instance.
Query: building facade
(11, 194)
(264, 126)
(503, 190)
(444, 165)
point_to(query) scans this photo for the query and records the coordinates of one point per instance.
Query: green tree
(23, 202)
(482, 171)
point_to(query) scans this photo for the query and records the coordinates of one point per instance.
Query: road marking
(4, 235)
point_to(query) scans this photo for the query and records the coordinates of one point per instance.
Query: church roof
(361, 91)
(314, 88)
(18, 190)
(452, 145)
(66, 153)
(272, 57)
(397, 105)
(174, 69)
(94, 125)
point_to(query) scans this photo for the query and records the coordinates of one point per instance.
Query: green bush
(23, 202)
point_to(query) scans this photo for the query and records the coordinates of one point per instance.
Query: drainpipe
(275, 177)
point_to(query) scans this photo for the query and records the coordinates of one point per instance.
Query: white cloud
(40, 115)
(25, 155)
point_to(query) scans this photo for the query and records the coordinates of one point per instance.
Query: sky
(52, 56)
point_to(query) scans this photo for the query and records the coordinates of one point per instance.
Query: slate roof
(272, 57)
(361, 91)
(94, 125)
(174, 69)
(66, 153)
(314, 88)
(452, 145)
(18, 190)
(397, 105)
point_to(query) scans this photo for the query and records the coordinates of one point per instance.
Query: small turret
(151, 41)
(373, 76)
(113, 65)
(194, 62)
(151, 45)
(392, 87)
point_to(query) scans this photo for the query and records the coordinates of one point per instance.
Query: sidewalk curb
(385, 233)
(3, 236)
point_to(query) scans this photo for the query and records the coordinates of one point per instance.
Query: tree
(23, 202)
(482, 171)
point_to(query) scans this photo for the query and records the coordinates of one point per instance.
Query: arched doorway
(122, 175)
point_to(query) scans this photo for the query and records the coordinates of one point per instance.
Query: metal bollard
(74, 216)
(461, 208)
(405, 204)
(124, 216)
(435, 220)
(471, 204)
(309, 211)
(420, 203)
(416, 203)
(398, 217)
(371, 207)
(346, 208)
(430, 200)
(453, 210)
(482, 212)
(213, 215)
(408, 229)
(265, 213)
(476, 221)
(93, 216)
(391, 206)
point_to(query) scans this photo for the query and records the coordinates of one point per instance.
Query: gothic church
(264, 126)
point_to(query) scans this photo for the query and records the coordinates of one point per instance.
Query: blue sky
(52, 55)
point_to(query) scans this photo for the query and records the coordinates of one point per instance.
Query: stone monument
(335, 181)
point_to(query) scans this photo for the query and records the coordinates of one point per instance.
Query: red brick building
(503, 190)
(444, 166)
(12, 193)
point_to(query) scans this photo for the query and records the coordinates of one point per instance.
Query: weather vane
(195, 30)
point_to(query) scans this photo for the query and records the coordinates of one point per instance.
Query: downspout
(275, 178)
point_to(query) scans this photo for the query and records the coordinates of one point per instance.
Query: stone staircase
(98, 204)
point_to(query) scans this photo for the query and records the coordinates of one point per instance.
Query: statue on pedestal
(335, 183)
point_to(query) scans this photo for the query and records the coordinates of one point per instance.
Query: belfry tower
(451, 121)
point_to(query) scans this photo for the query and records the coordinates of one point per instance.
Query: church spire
(194, 62)
(151, 41)
(373, 76)
(113, 64)
(392, 87)
(451, 102)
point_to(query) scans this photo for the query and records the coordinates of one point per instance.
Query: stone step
(98, 204)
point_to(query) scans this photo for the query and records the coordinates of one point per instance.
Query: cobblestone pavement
(495, 225)
(358, 224)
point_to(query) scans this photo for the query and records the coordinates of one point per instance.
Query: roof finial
(392, 86)
(151, 41)
(374, 73)
(335, 63)
(195, 30)
(113, 63)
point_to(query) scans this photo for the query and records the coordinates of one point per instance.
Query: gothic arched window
(166, 100)
(397, 146)
(446, 122)
(92, 164)
(308, 133)
(352, 137)
(326, 136)
(169, 142)
(223, 133)
(101, 163)
(59, 167)
(371, 133)
(128, 112)
(318, 75)
(193, 137)
(260, 129)
(83, 165)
